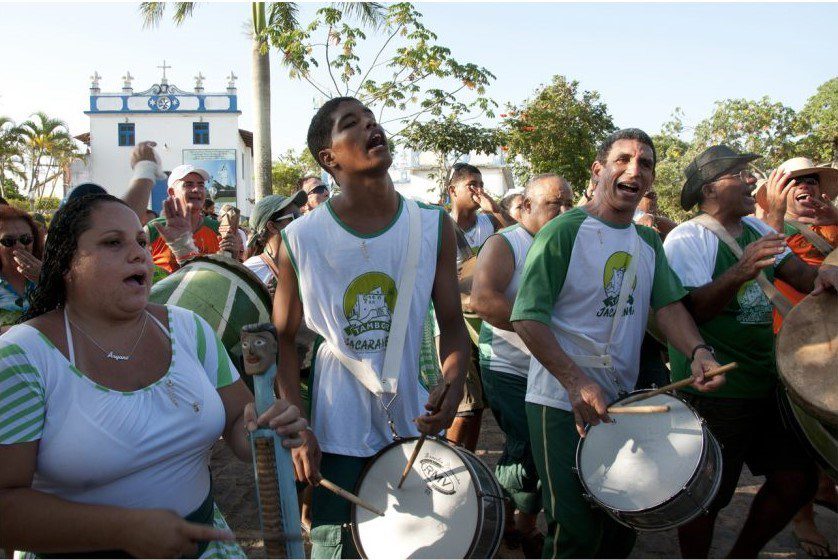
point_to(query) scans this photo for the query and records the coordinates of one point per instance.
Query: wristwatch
(699, 347)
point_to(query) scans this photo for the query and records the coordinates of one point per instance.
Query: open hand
(144, 151)
(758, 255)
(777, 190)
(27, 264)
(177, 223)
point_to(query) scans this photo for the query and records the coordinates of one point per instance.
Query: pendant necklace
(111, 354)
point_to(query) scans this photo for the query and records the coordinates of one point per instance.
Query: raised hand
(177, 223)
(777, 190)
(27, 264)
(758, 255)
(144, 151)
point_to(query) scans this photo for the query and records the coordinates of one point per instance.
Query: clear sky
(644, 59)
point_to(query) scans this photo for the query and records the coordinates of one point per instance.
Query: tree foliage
(402, 71)
(449, 139)
(290, 168)
(819, 121)
(557, 131)
(11, 156)
(48, 149)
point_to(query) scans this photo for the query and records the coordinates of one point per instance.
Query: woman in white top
(109, 405)
(270, 216)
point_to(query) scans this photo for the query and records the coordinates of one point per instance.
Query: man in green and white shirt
(736, 319)
(504, 359)
(565, 312)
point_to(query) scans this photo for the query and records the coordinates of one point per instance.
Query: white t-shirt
(482, 230)
(259, 268)
(502, 350)
(348, 286)
(140, 449)
(572, 281)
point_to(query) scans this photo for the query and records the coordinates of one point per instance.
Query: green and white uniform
(483, 228)
(742, 332)
(572, 282)
(504, 363)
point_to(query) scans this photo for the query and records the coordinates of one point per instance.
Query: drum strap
(398, 327)
(777, 299)
(600, 353)
(813, 237)
(271, 265)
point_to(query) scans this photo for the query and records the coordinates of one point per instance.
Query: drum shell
(693, 500)
(221, 291)
(819, 439)
(491, 514)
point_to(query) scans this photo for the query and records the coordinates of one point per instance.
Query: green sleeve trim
(546, 267)
(225, 374)
(293, 262)
(20, 369)
(38, 421)
(202, 340)
(10, 350)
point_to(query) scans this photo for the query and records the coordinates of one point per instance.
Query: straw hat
(797, 167)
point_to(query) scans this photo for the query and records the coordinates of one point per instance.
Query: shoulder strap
(271, 264)
(813, 237)
(388, 383)
(777, 299)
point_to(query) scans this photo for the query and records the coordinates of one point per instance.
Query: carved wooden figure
(276, 491)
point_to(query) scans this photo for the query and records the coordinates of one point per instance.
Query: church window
(200, 133)
(126, 134)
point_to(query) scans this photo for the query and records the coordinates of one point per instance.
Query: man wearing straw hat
(730, 298)
(802, 206)
(590, 277)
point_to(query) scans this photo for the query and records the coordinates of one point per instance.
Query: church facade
(197, 127)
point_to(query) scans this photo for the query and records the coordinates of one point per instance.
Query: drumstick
(679, 384)
(647, 409)
(422, 438)
(349, 496)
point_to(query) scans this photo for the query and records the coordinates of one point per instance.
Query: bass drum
(450, 505)
(223, 292)
(807, 354)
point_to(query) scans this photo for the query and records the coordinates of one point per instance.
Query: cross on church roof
(164, 67)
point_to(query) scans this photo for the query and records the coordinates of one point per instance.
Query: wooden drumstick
(644, 409)
(349, 496)
(423, 437)
(679, 384)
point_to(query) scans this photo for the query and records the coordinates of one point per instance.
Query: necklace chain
(111, 354)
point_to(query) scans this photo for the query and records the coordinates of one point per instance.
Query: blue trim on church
(170, 103)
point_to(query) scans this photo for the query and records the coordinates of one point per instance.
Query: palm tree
(11, 153)
(279, 16)
(46, 141)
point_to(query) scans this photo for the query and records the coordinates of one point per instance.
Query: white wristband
(183, 246)
(147, 170)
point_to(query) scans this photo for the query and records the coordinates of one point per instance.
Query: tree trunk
(262, 122)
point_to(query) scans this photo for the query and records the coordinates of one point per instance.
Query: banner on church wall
(221, 165)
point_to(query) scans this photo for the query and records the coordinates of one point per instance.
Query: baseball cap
(182, 171)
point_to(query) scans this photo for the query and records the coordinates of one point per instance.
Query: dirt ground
(234, 489)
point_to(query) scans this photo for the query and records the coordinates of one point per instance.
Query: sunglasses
(319, 189)
(10, 241)
(290, 217)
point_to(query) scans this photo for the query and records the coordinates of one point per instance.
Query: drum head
(807, 354)
(433, 515)
(642, 460)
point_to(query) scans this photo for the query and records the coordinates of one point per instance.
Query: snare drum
(450, 505)
(651, 472)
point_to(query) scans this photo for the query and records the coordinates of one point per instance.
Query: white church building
(196, 126)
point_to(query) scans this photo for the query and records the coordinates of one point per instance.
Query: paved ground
(233, 482)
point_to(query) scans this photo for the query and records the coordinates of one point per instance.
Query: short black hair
(460, 170)
(208, 203)
(319, 135)
(625, 134)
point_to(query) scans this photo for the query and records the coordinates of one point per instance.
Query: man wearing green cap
(733, 312)
(270, 216)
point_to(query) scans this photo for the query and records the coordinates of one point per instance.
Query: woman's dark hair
(10, 213)
(68, 224)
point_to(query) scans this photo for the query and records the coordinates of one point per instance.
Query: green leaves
(557, 131)
(290, 168)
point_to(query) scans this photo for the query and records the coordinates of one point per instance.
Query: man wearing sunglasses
(734, 317)
(316, 191)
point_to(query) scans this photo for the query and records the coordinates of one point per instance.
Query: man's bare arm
(494, 270)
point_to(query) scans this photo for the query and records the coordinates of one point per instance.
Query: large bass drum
(807, 360)
(222, 291)
(450, 505)
(651, 472)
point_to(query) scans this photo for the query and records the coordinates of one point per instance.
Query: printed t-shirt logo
(612, 281)
(754, 307)
(368, 305)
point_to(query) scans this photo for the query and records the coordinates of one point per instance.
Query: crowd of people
(571, 306)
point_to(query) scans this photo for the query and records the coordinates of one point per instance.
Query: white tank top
(502, 350)
(348, 287)
(482, 230)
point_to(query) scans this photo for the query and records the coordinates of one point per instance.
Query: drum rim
(229, 262)
(353, 523)
(789, 416)
(669, 500)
